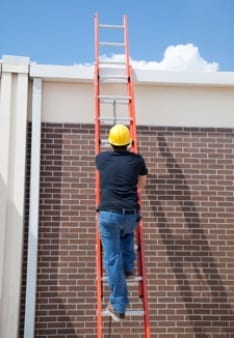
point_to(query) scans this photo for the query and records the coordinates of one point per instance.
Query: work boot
(117, 317)
(130, 274)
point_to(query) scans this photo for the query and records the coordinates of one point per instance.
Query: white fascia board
(62, 73)
(80, 73)
(184, 78)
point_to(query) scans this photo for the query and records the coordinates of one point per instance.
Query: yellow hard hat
(119, 135)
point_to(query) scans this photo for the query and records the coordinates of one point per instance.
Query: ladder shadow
(192, 250)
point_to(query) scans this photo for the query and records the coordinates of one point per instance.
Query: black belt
(122, 211)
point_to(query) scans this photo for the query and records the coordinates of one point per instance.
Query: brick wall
(188, 213)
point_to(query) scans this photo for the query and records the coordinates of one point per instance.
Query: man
(121, 173)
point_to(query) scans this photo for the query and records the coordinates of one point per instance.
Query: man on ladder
(122, 172)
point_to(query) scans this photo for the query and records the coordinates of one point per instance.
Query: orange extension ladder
(114, 103)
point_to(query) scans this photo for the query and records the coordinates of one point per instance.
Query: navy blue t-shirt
(119, 173)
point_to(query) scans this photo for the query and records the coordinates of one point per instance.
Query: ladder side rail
(96, 37)
(134, 148)
(132, 113)
(126, 42)
(141, 262)
(133, 131)
(99, 285)
(97, 88)
(140, 240)
(144, 280)
(132, 116)
(130, 88)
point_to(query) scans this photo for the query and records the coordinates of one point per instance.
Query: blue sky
(173, 34)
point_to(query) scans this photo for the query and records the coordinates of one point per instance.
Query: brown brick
(188, 209)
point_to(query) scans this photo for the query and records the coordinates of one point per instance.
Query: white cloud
(179, 58)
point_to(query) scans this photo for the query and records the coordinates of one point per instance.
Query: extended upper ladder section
(115, 103)
(113, 76)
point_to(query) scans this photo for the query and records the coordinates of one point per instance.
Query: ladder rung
(111, 26)
(117, 81)
(111, 62)
(111, 98)
(116, 44)
(104, 143)
(128, 313)
(110, 118)
(130, 280)
(135, 312)
(114, 76)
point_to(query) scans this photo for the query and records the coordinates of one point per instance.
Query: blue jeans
(117, 237)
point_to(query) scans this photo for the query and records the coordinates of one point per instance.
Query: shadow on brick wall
(197, 279)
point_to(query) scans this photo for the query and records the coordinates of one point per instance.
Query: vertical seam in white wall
(31, 283)
(5, 107)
